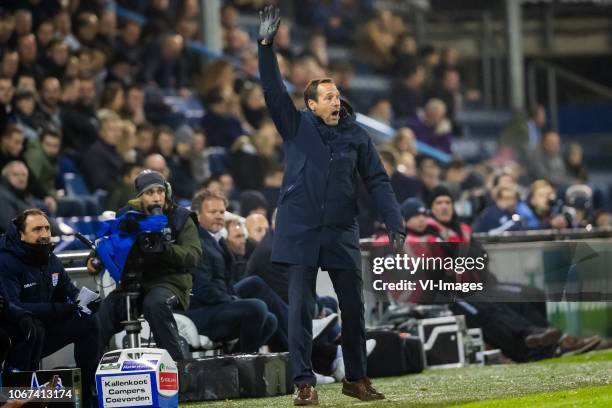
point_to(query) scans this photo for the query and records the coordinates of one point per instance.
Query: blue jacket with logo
(38, 289)
(316, 223)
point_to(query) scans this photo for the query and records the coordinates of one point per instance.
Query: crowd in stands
(83, 112)
(81, 88)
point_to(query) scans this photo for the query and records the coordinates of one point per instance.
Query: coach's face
(327, 105)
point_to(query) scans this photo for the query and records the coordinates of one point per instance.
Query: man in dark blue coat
(35, 280)
(216, 308)
(325, 152)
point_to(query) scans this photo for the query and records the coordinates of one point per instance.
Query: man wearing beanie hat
(166, 276)
(444, 220)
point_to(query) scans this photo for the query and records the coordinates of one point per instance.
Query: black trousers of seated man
(302, 298)
(49, 337)
(156, 304)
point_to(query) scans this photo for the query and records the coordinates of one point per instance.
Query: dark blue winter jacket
(316, 222)
(42, 290)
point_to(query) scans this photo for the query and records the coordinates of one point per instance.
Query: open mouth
(335, 114)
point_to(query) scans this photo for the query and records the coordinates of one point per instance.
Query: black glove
(397, 239)
(269, 20)
(94, 305)
(27, 326)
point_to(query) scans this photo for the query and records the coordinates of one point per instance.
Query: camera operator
(160, 271)
(35, 280)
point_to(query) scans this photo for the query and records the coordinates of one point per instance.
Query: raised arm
(279, 103)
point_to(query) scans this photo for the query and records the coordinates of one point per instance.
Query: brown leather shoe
(361, 389)
(548, 337)
(305, 394)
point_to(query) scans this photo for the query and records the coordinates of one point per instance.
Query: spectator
(317, 47)
(49, 112)
(381, 111)
(14, 196)
(12, 148)
(253, 105)
(536, 124)
(10, 64)
(23, 115)
(403, 186)
(163, 64)
(134, 105)
(156, 162)
(41, 157)
(404, 141)
(125, 191)
(248, 168)
(128, 44)
(63, 24)
(220, 124)
(574, 164)
(404, 52)
(6, 98)
(180, 165)
(377, 38)
(429, 175)
(44, 35)
(407, 94)
(164, 140)
(56, 58)
(79, 120)
(103, 154)
(501, 216)
(160, 19)
(200, 166)
(541, 213)
(113, 97)
(546, 162)
(257, 226)
(434, 128)
(28, 52)
(236, 244)
(449, 91)
(215, 309)
(253, 202)
(145, 140)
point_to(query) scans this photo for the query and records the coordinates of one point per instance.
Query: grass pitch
(578, 381)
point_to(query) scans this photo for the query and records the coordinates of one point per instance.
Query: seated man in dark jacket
(216, 309)
(165, 278)
(36, 281)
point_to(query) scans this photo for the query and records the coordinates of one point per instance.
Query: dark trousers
(348, 287)
(157, 306)
(246, 319)
(46, 339)
(504, 327)
(255, 287)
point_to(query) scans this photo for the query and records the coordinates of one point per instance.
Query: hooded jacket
(317, 206)
(34, 287)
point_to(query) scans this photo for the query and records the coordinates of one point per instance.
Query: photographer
(160, 271)
(35, 281)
